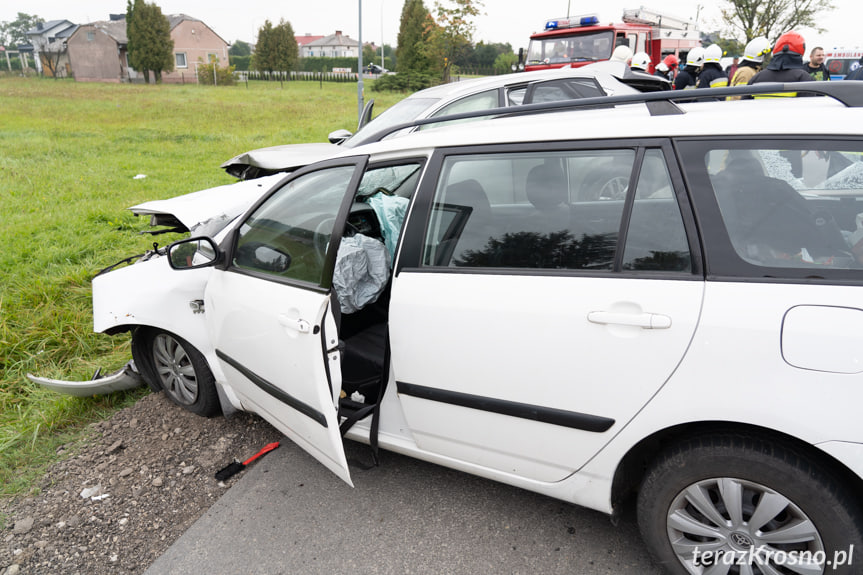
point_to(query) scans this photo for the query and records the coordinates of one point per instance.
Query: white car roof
(780, 116)
(453, 90)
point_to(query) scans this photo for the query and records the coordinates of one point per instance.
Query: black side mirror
(260, 256)
(193, 253)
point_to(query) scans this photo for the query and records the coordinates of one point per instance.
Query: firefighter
(667, 68)
(712, 75)
(787, 62)
(753, 56)
(688, 77)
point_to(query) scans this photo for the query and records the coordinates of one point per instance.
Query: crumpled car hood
(286, 157)
(222, 202)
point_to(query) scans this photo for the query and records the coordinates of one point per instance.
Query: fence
(295, 76)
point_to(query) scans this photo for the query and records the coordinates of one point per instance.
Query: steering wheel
(615, 188)
(321, 239)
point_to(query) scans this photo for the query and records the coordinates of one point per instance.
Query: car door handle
(642, 320)
(295, 324)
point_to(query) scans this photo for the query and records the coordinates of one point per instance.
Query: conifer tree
(414, 32)
(150, 46)
(276, 48)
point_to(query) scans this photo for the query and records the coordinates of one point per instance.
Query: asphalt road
(289, 515)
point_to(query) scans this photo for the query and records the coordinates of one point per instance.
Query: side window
(288, 235)
(642, 42)
(563, 89)
(792, 205)
(538, 210)
(656, 239)
(556, 210)
(474, 103)
(515, 96)
(180, 60)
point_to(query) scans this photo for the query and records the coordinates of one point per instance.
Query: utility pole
(360, 67)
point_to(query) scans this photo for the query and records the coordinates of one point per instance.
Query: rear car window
(786, 204)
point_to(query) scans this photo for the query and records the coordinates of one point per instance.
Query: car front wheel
(173, 365)
(737, 505)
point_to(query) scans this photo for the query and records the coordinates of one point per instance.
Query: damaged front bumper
(125, 378)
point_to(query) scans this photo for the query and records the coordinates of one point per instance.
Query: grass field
(69, 154)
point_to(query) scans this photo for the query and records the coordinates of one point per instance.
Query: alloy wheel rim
(175, 370)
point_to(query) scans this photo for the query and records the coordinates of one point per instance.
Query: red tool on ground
(236, 466)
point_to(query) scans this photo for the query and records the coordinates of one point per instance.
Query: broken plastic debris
(94, 491)
(125, 378)
(140, 177)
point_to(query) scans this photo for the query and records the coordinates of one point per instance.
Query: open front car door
(269, 311)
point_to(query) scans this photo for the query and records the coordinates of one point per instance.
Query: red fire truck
(580, 40)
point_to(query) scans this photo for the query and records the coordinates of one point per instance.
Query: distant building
(304, 40)
(98, 52)
(48, 40)
(333, 46)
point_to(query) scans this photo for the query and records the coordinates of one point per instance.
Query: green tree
(13, 33)
(485, 55)
(240, 55)
(370, 55)
(150, 46)
(414, 31)
(504, 62)
(452, 39)
(240, 48)
(748, 19)
(389, 57)
(276, 49)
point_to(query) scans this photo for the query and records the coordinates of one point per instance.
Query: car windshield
(405, 111)
(577, 48)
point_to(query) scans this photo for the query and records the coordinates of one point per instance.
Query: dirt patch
(121, 500)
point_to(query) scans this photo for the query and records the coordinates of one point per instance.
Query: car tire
(171, 364)
(681, 505)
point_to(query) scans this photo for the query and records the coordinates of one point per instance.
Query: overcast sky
(504, 20)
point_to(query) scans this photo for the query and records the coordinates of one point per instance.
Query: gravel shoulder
(128, 493)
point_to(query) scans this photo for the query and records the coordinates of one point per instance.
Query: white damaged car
(205, 212)
(483, 297)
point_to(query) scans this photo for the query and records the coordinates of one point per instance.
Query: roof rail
(849, 93)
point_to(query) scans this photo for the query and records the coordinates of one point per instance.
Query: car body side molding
(271, 389)
(575, 420)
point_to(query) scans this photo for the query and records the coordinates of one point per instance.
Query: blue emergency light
(572, 22)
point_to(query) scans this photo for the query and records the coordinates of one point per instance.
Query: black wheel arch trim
(274, 391)
(572, 419)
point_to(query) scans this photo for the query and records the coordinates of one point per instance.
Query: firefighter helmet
(712, 54)
(640, 61)
(621, 54)
(790, 42)
(756, 49)
(695, 57)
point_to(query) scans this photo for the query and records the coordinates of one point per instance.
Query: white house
(333, 46)
(49, 37)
